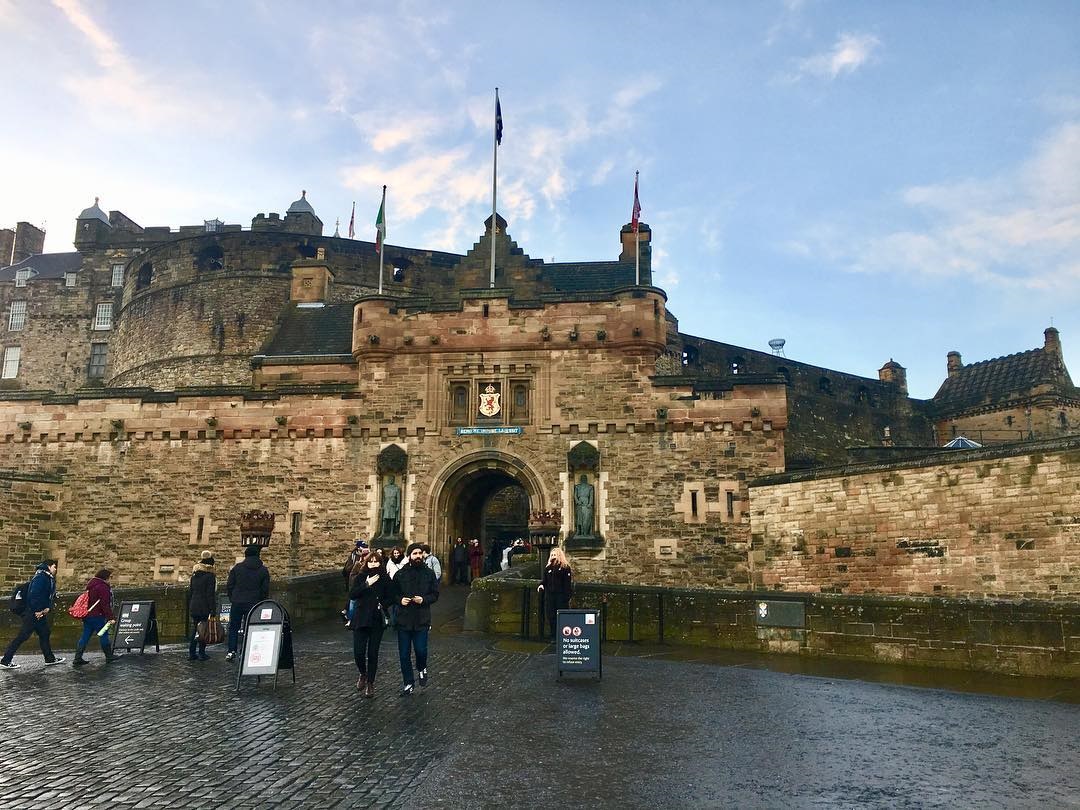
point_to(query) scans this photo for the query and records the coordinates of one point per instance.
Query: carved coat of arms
(490, 404)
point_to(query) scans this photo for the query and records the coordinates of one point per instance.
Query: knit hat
(414, 546)
(361, 544)
(251, 551)
(206, 558)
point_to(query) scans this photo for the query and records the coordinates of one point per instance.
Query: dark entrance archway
(487, 495)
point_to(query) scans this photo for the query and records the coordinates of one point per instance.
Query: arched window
(519, 402)
(738, 365)
(783, 372)
(145, 276)
(459, 404)
(825, 386)
(211, 257)
(689, 356)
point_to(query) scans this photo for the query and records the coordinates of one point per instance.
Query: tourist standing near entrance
(248, 583)
(99, 599)
(476, 558)
(459, 563)
(557, 585)
(415, 589)
(202, 602)
(397, 560)
(432, 562)
(40, 596)
(371, 597)
(360, 550)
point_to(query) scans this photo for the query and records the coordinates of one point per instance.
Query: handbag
(210, 630)
(81, 609)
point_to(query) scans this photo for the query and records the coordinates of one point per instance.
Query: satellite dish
(777, 346)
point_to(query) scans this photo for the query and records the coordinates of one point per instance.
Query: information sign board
(577, 641)
(267, 642)
(136, 627)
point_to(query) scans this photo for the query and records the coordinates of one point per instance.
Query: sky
(867, 180)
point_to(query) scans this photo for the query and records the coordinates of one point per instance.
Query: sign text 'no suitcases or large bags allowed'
(136, 627)
(267, 646)
(577, 641)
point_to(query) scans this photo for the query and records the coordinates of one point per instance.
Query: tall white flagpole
(382, 236)
(637, 241)
(494, 180)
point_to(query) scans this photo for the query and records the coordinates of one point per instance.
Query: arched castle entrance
(487, 494)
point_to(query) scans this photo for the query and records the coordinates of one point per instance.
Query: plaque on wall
(490, 401)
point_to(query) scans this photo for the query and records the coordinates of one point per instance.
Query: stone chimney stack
(311, 280)
(954, 363)
(1052, 345)
(644, 238)
(893, 372)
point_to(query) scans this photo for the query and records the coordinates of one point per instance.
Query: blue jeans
(90, 627)
(237, 615)
(415, 640)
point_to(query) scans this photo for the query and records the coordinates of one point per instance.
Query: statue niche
(583, 464)
(391, 467)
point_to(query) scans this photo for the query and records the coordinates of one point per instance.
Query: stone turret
(1052, 342)
(92, 227)
(894, 373)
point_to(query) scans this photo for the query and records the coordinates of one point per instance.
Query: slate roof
(312, 331)
(588, 276)
(45, 265)
(1004, 379)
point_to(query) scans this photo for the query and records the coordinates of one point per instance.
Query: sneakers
(423, 679)
(55, 661)
(12, 665)
(79, 662)
(230, 656)
(345, 617)
(407, 690)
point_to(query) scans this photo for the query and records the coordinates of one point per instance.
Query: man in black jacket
(249, 582)
(415, 588)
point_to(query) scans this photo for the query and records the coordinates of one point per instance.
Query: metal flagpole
(494, 178)
(382, 236)
(637, 241)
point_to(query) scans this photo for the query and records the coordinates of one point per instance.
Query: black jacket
(460, 554)
(558, 588)
(414, 580)
(249, 582)
(202, 596)
(371, 601)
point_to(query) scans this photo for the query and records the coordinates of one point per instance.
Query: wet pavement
(664, 727)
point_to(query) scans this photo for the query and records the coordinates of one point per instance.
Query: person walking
(202, 602)
(40, 597)
(248, 583)
(99, 615)
(359, 551)
(476, 559)
(415, 589)
(432, 562)
(371, 593)
(556, 585)
(397, 561)
(459, 563)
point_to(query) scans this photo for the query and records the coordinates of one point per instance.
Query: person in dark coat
(202, 602)
(371, 595)
(556, 585)
(360, 550)
(248, 583)
(40, 597)
(415, 589)
(99, 615)
(459, 563)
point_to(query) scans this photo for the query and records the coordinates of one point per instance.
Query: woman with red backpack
(99, 613)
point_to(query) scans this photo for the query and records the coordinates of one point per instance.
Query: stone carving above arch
(393, 460)
(583, 457)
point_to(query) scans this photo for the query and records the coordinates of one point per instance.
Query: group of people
(396, 589)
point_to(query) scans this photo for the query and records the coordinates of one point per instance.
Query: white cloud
(1020, 229)
(849, 53)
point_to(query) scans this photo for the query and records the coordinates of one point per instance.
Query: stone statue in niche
(584, 496)
(391, 508)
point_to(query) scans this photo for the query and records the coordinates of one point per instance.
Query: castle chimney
(893, 372)
(1052, 344)
(311, 280)
(952, 359)
(644, 238)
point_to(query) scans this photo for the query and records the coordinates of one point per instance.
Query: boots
(361, 682)
(369, 689)
(79, 660)
(108, 650)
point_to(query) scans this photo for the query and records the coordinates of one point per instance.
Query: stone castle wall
(1013, 424)
(981, 523)
(30, 523)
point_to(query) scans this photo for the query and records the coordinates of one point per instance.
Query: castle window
(98, 354)
(731, 504)
(519, 402)
(459, 404)
(783, 372)
(103, 317)
(1008, 421)
(825, 385)
(117, 275)
(70, 279)
(689, 356)
(145, 276)
(11, 362)
(17, 318)
(22, 276)
(738, 364)
(1063, 420)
